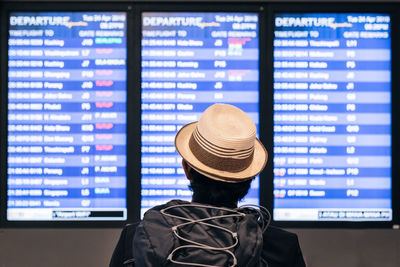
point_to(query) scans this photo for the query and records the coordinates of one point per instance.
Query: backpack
(193, 234)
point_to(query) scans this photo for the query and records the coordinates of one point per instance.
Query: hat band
(220, 163)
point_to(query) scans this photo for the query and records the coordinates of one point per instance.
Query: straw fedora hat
(222, 145)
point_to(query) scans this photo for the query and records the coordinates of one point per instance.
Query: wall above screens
(162, 91)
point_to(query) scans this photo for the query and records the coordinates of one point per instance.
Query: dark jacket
(151, 241)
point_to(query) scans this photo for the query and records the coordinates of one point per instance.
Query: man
(221, 155)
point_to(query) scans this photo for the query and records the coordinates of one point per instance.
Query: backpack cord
(261, 211)
(194, 244)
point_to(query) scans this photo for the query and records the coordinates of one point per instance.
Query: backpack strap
(129, 260)
(123, 254)
(129, 263)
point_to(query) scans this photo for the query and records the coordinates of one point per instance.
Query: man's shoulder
(282, 248)
(123, 251)
(280, 239)
(276, 232)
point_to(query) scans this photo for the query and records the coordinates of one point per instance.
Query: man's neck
(219, 204)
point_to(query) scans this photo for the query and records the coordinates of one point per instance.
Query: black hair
(217, 193)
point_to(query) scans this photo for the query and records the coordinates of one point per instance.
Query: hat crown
(228, 127)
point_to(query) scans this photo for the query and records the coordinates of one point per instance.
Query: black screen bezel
(266, 14)
(216, 8)
(134, 28)
(132, 143)
(393, 11)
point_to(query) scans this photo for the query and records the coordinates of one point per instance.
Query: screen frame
(393, 11)
(132, 143)
(216, 8)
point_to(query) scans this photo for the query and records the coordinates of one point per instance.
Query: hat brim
(257, 165)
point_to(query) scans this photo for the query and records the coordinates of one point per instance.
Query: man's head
(217, 193)
(222, 147)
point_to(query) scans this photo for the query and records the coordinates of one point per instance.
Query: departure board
(66, 116)
(332, 117)
(189, 62)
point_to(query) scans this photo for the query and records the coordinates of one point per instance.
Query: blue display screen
(189, 62)
(332, 117)
(67, 116)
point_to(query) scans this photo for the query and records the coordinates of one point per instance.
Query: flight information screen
(189, 62)
(67, 116)
(332, 117)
